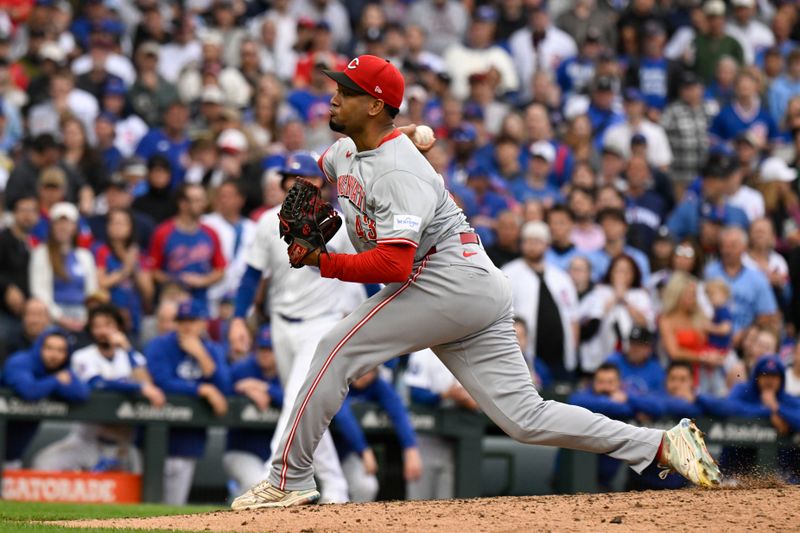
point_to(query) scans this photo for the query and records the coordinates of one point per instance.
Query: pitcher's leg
(491, 367)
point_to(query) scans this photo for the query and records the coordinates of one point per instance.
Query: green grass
(16, 516)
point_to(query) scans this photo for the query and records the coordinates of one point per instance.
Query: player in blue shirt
(170, 141)
(352, 445)
(185, 362)
(40, 372)
(255, 377)
(638, 366)
(753, 300)
(186, 252)
(686, 219)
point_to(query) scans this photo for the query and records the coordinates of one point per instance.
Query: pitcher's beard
(334, 126)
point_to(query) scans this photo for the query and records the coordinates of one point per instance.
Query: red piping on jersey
(285, 467)
(389, 262)
(394, 134)
(397, 241)
(321, 165)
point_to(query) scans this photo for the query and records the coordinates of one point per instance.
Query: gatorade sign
(76, 487)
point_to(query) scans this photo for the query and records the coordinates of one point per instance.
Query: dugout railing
(577, 470)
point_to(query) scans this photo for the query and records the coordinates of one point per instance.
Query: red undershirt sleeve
(386, 263)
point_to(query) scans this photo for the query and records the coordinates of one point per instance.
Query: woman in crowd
(687, 257)
(611, 310)
(121, 270)
(81, 157)
(61, 274)
(683, 336)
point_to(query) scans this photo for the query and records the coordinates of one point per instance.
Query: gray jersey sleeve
(404, 205)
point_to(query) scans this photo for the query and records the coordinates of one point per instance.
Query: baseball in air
(423, 135)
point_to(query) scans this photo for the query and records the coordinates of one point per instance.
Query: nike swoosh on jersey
(469, 254)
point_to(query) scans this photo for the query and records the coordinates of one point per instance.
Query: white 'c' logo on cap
(353, 64)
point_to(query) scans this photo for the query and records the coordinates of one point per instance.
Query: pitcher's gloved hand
(307, 221)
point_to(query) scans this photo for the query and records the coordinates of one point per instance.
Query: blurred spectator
(506, 245)
(352, 445)
(157, 200)
(744, 113)
(685, 122)
(545, 296)
(644, 207)
(615, 229)
(109, 363)
(15, 249)
(712, 42)
(539, 46)
(313, 99)
(586, 15)
(575, 74)
(687, 218)
(561, 250)
(609, 313)
(62, 275)
(652, 73)
(122, 270)
(682, 327)
(128, 126)
(431, 384)
(41, 152)
(763, 396)
(720, 329)
(659, 153)
(236, 235)
(256, 378)
(151, 96)
(170, 141)
(754, 301)
(443, 22)
(780, 200)
(586, 235)
(35, 319)
(639, 367)
(784, 88)
(478, 54)
(64, 98)
(761, 255)
(602, 110)
(743, 196)
(182, 50)
(753, 35)
(105, 136)
(536, 183)
(117, 196)
(184, 362)
(186, 251)
(79, 155)
(35, 374)
(333, 13)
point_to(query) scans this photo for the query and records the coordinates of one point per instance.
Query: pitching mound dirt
(747, 509)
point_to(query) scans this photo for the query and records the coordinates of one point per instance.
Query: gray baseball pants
(457, 303)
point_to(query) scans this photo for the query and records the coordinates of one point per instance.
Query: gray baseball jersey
(455, 302)
(391, 194)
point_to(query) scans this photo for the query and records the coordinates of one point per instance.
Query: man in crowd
(545, 296)
(185, 362)
(185, 251)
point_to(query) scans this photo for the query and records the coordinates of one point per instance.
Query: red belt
(466, 238)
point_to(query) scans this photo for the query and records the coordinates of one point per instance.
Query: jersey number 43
(365, 228)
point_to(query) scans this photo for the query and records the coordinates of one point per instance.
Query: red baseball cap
(374, 76)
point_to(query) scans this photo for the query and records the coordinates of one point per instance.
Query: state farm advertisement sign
(83, 487)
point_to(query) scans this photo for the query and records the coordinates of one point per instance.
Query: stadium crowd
(631, 166)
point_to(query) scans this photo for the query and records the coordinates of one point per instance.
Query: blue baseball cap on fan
(192, 310)
(466, 132)
(264, 337)
(301, 164)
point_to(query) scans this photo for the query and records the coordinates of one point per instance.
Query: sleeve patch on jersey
(407, 222)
